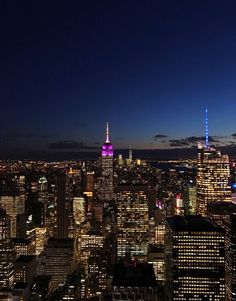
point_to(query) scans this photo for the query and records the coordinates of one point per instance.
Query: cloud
(178, 143)
(189, 141)
(159, 136)
(194, 139)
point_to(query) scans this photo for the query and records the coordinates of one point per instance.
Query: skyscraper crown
(107, 148)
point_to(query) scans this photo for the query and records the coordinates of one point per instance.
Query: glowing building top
(213, 174)
(107, 148)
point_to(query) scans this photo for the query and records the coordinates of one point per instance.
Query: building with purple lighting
(106, 189)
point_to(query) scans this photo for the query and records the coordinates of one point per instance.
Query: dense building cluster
(118, 228)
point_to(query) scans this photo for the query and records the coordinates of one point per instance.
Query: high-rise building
(23, 246)
(62, 214)
(25, 268)
(133, 281)
(14, 206)
(89, 180)
(91, 257)
(59, 259)
(40, 239)
(106, 189)
(132, 221)
(79, 210)
(213, 173)
(6, 252)
(195, 259)
(189, 199)
(220, 212)
(43, 196)
(230, 259)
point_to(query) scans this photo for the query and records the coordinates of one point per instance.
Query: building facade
(106, 189)
(195, 259)
(6, 252)
(213, 175)
(132, 221)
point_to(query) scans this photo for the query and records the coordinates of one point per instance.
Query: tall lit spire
(107, 134)
(206, 128)
(107, 148)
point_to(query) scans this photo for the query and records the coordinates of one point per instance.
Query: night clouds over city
(148, 67)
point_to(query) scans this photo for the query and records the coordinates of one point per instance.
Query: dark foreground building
(133, 281)
(230, 258)
(195, 259)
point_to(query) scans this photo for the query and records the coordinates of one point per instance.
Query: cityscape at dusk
(117, 150)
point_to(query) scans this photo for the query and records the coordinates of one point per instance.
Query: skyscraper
(213, 175)
(195, 259)
(230, 258)
(14, 206)
(62, 214)
(59, 259)
(212, 178)
(6, 252)
(132, 221)
(106, 189)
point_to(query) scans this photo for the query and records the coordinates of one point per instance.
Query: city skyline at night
(117, 150)
(149, 69)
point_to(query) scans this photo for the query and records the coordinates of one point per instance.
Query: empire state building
(106, 190)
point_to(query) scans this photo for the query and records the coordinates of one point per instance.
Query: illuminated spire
(107, 134)
(207, 137)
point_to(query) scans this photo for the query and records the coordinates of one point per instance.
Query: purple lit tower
(107, 148)
(106, 189)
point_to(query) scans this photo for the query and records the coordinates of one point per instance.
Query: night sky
(148, 67)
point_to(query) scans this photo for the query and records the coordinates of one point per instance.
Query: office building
(91, 257)
(14, 206)
(195, 259)
(79, 210)
(25, 268)
(190, 199)
(220, 212)
(23, 246)
(6, 252)
(132, 221)
(62, 212)
(213, 175)
(133, 281)
(230, 258)
(59, 259)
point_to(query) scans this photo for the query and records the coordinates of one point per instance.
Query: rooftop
(25, 258)
(192, 223)
(221, 208)
(134, 275)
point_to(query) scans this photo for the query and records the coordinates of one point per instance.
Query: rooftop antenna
(107, 134)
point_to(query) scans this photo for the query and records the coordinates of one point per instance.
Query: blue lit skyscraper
(213, 175)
